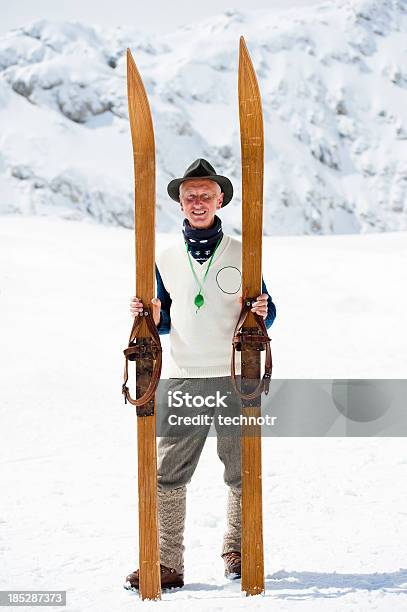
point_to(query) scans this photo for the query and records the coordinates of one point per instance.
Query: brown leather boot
(170, 579)
(233, 564)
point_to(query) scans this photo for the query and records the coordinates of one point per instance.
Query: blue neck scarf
(202, 242)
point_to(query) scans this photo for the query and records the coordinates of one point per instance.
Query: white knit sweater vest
(201, 342)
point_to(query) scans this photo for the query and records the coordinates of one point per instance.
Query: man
(198, 304)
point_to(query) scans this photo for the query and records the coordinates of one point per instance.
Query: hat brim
(223, 182)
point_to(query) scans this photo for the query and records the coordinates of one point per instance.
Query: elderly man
(198, 304)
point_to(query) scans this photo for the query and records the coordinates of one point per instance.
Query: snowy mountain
(334, 85)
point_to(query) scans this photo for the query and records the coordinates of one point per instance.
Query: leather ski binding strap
(143, 348)
(255, 339)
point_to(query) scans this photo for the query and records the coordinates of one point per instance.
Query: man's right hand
(136, 306)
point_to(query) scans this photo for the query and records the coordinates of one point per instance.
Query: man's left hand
(260, 305)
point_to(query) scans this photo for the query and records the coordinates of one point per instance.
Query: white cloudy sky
(153, 16)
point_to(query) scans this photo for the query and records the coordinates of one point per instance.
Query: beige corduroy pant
(178, 456)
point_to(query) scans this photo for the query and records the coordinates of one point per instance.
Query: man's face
(200, 199)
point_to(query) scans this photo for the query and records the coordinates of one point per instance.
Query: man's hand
(260, 305)
(136, 306)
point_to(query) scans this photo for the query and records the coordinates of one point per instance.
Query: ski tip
(243, 44)
(132, 71)
(129, 57)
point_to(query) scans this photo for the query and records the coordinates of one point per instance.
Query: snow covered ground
(335, 508)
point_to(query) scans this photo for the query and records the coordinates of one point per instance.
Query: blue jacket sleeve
(163, 295)
(271, 309)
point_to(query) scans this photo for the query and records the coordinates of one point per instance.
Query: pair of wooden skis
(144, 346)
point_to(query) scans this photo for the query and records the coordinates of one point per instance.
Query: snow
(335, 509)
(333, 83)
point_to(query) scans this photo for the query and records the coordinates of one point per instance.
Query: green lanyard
(199, 298)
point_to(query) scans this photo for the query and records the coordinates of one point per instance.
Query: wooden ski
(144, 344)
(251, 335)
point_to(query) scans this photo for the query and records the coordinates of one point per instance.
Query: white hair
(218, 189)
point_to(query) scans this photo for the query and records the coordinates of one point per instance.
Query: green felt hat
(201, 169)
